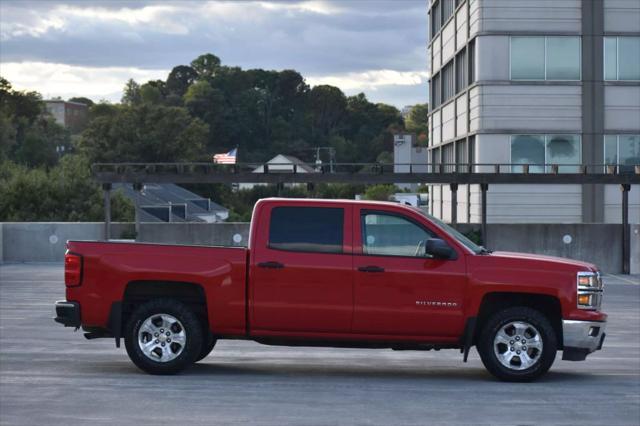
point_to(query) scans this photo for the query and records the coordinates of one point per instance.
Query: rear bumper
(582, 338)
(68, 313)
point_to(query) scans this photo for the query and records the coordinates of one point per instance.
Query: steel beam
(137, 188)
(454, 203)
(133, 175)
(626, 241)
(106, 187)
(484, 187)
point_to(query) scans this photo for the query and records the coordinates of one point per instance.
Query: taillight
(72, 269)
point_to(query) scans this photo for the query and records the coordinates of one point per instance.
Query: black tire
(187, 328)
(208, 344)
(490, 345)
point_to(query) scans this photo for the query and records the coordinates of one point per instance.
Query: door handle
(271, 265)
(370, 269)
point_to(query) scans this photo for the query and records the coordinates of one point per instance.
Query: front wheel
(517, 344)
(208, 343)
(163, 336)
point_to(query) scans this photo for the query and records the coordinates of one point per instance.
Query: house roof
(285, 160)
(163, 195)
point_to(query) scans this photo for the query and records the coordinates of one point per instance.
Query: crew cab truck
(336, 273)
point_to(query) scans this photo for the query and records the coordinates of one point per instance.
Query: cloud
(371, 80)
(66, 81)
(339, 41)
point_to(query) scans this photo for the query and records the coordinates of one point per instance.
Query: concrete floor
(50, 375)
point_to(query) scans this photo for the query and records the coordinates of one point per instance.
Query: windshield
(453, 232)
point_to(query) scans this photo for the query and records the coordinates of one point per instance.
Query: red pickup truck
(336, 273)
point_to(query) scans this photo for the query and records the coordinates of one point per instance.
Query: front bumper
(68, 313)
(580, 338)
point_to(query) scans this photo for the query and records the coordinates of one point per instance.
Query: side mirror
(439, 249)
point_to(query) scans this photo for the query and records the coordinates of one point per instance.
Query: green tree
(66, 192)
(206, 66)
(131, 93)
(417, 122)
(145, 134)
(28, 134)
(326, 107)
(150, 94)
(39, 143)
(380, 192)
(179, 80)
(7, 135)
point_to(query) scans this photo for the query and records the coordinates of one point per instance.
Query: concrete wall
(517, 108)
(219, 234)
(526, 15)
(45, 241)
(621, 15)
(635, 249)
(621, 108)
(597, 243)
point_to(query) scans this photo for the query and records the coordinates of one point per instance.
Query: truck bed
(109, 267)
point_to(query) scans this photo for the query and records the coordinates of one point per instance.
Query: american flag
(227, 158)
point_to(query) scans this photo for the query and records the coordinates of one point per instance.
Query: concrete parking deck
(50, 375)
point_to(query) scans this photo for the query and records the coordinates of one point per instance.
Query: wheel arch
(138, 292)
(546, 304)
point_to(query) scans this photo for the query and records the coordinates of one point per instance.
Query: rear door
(302, 273)
(398, 290)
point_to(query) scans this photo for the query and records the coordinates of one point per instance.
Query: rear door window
(307, 229)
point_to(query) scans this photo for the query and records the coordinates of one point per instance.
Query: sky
(91, 48)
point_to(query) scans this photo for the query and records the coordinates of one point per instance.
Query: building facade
(72, 115)
(523, 82)
(408, 157)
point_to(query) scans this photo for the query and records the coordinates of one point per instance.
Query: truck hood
(537, 258)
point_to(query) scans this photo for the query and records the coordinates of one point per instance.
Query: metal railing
(482, 174)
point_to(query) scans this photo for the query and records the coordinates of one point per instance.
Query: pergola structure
(366, 173)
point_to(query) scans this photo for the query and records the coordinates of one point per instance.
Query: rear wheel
(163, 336)
(517, 344)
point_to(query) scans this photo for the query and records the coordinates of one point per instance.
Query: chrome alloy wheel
(162, 338)
(518, 345)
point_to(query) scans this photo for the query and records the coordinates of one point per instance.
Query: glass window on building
(622, 150)
(622, 58)
(563, 58)
(565, 151)
(545, 58)
(461, 155)
(538, 150)
(527, 149)
(527, 58)
(472, 61)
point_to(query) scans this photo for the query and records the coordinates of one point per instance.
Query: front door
(398, 290)
(303, 279)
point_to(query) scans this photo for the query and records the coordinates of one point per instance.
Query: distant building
(406, 111)
(281, 164)
(172, 203)
(411, 199)
(535, 82)
(407, 157)
(72, 115)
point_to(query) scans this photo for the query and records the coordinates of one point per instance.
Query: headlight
(589, 290)
(589, 281)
